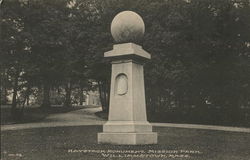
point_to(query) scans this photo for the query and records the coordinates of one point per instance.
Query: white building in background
(93, 98)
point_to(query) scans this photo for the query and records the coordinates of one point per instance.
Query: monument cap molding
(127, 51)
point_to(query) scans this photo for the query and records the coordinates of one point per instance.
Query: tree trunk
(107, 92)
(46, 96)
(101, 96)
(67, 102)
(3, 81)
(81, 96)
(3, 100)
(28, 100)
(15, 113)
(15, 87)
(104, 95)
(28, 95)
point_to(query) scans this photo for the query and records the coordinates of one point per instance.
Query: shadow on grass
(35, 114)
(102, 114)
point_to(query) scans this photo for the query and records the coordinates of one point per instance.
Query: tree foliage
(200, 49)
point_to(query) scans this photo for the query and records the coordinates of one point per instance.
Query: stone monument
(127, 122)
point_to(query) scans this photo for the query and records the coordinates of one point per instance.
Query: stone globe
(127, 26)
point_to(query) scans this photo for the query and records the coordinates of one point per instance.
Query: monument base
(127, 127)
(128, 138)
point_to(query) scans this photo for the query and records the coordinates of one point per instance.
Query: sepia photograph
(125, 79)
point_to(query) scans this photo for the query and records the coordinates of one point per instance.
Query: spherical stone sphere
(127, 26)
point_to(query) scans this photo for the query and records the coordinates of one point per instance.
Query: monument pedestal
(127, 121)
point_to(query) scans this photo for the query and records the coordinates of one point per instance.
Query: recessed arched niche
(121, 84)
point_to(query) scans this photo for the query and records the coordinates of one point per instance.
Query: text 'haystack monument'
(127, 122)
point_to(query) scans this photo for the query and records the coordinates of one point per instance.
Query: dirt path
(80, 117)
(87, 116)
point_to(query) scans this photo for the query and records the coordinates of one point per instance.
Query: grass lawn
(55, 143)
